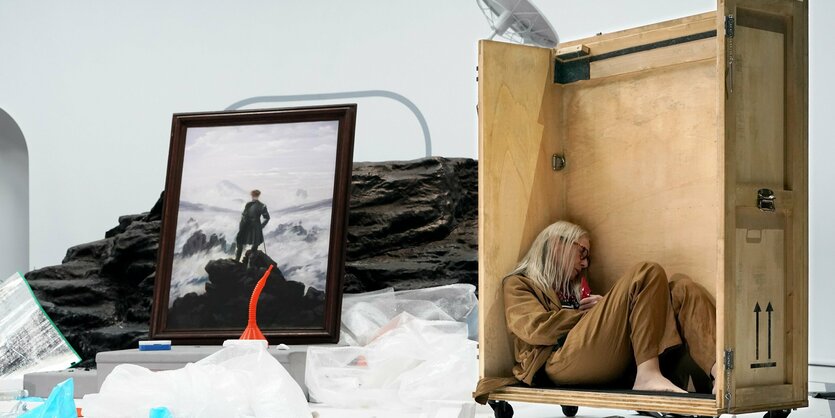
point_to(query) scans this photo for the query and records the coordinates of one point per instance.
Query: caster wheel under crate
(569, 411)
(501, 409)
(778, 413)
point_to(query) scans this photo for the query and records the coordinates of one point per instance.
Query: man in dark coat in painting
(250, 231)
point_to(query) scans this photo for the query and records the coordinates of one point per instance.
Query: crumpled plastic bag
(405, 348)
(365, 315)
(455, 300)
(59, 404)
(237, 381)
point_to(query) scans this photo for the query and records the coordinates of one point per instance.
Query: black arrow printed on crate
(769, 309)
(757, 311)
(768, 364)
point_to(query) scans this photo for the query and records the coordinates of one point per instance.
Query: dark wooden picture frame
(344, 116)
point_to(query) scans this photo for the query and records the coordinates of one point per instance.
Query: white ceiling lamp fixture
(519, 21)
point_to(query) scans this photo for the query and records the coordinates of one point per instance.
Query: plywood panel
(642, 171)
(765, 398)
(766, 133)
(648, 34)
(759, 75)
(797, 125)
(519, 194)
(661, 57)
(725, 277)
(760, 305)
(704, 406)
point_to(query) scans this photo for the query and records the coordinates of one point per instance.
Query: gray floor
(818, 408)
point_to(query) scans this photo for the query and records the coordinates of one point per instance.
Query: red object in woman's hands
(585, 289)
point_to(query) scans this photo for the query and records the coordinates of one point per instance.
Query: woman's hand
(589, 302)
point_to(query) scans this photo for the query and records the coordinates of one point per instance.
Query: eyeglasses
(584, 254)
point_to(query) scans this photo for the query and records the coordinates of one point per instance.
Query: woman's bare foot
(649, 378)
(657, 384)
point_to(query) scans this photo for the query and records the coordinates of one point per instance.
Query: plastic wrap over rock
(29, 341)
(403, 349)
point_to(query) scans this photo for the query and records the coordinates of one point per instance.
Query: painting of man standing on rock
(254, 189)
(251, 231)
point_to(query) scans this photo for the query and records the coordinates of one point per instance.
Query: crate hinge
(730, 30)
(729, 366)
(557, 162)
(730, 26)
(729, 359)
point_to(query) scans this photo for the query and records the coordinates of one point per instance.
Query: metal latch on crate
(765, 200)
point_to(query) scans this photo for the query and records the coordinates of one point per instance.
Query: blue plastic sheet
(59, 404)
(161, 412)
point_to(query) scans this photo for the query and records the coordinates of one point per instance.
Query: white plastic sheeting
(405, 349)
(29, 341)
(237, 381)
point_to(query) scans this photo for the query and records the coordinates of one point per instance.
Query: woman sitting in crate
(595, 340)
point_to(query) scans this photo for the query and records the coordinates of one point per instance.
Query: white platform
(293, 359)
(41, 384)
(86, 382)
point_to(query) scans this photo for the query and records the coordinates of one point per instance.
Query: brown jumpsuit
(641, 317)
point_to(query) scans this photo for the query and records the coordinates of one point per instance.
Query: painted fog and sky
(293, 165)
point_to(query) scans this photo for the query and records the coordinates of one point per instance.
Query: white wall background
(14, 198)
(93, 85)
(821, 187)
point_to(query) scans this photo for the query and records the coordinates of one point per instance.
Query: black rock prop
(411, 225)
(100, 296)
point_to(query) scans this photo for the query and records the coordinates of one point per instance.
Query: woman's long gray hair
(551, 265)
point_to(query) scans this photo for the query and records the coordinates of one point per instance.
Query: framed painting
(246, 190)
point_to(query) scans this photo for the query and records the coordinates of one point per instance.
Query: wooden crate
(668, 132)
